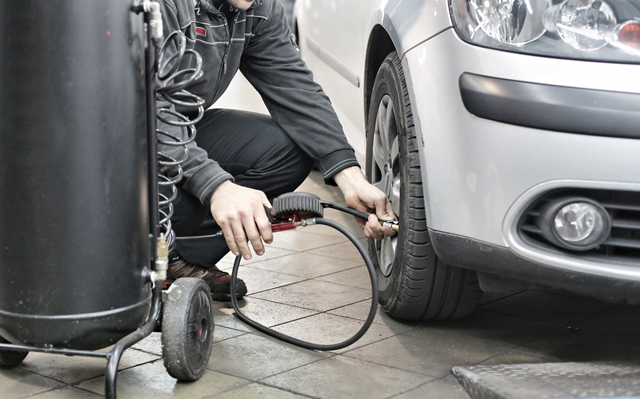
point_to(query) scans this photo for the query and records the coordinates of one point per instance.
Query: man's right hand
(239, 211)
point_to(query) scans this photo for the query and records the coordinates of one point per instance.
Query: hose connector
(155, 16)
(162, 259)
(393, 224)
(155, 23)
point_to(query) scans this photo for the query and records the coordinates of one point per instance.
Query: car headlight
(584, 29)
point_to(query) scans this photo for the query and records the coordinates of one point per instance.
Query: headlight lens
(584, 29)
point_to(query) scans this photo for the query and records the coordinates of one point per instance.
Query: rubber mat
(550, 381)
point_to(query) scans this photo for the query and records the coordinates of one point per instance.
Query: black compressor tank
(74, 233)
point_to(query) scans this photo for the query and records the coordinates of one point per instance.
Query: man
(240, 160)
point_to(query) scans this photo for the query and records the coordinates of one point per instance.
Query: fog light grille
(623, 245)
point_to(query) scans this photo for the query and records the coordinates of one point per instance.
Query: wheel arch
(379, 46)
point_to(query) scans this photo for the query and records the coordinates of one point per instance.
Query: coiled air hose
(292, 210)
(171, 83)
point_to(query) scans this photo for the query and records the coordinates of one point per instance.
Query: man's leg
(258, 154)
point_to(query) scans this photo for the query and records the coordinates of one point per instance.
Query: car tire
(413, 283)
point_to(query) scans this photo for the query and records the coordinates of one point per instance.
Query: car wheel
(414, 284)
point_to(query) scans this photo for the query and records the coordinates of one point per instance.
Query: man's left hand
(361, 195)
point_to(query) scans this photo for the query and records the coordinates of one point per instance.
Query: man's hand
(239, 211)
(359, 194)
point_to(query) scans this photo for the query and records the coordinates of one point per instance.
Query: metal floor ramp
(550, 381)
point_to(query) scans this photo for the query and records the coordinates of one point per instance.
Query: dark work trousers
(257, 153)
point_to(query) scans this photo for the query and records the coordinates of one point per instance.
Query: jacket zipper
(225, 56)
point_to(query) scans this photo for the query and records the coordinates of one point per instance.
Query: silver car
(506, 134)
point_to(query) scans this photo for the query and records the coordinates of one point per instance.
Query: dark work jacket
(258, 42)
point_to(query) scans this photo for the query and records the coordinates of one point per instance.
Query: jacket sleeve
(201, 175)
(271, 62)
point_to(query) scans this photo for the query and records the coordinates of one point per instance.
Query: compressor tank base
(78, 331)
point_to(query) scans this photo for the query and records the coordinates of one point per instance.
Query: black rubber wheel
(9, 358)
(413, 283)
(187, 329)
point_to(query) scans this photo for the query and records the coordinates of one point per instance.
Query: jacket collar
(214, 5)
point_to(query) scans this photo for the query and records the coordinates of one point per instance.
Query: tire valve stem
(393, 224)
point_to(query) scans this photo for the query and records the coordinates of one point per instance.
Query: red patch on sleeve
(201, 31)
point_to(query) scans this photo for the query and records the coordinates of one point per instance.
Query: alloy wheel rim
(386, 174)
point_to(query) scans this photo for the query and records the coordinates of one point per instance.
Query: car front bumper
(498, 129)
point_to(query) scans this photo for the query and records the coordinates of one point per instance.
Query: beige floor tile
(254, 391)
(316, 295)
(258, 279)
(434, 348)
(221, 333)
(341, 377)
(227, 320)
(444, 388)
(151, 381)
(19, 383)
(327, 329)
(67, 393)
(360, 311)
(152, 344)
(356, 277)
(342, 251)
(321, 230)
(271, 252)
(73, 369)
(266, 312)
(295, 241)
(304, 266)
(255, 357)
(516, 356)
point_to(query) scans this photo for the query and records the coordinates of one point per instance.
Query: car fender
(410, 22)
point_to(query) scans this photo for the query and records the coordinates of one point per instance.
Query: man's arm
(273, 65)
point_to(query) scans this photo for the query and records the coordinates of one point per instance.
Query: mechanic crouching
(241, 160)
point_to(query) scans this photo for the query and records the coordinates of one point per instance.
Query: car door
(334, 49)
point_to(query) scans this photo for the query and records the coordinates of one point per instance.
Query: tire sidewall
(388, 83)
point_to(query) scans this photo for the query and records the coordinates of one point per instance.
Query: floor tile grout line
(304, 279)
(421, 385)
(345, 354)
(316, 310)
(286, 390)
(331, 355)
(248, 382)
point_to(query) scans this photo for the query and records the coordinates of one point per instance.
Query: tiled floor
(311, 283)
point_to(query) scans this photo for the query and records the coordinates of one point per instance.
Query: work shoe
(219, 282)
